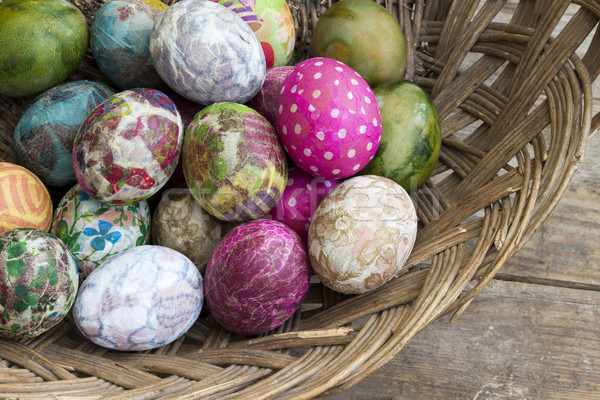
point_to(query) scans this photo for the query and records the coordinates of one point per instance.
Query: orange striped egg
(24, 200)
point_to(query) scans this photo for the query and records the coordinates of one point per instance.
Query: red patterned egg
(300, 199)
(256, 277)
(265, 101)
(328, 118)
(128, 147)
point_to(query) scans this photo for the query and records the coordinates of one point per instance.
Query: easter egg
(187, 108)
(207, 53)
(120, 42)
(181, 224)
(362, 234)
(300, 199)
(143, 298)
(233, 162)
(24, 200)
(94, 231)
(272, 23)
(265, 101)
(328, 119)
(346, 31)
(41, 43)
(411, 138)
(256, 277)
(128, 147)
(38, 282)
(43, 138)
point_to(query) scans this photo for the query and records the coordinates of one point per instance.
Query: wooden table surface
(533, 333)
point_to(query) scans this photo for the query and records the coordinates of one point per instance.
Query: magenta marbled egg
(328, 118)
(265, 101)
(128, 147)
(300, 199)
(256, 277)
(361, 234)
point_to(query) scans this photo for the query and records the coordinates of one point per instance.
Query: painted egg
(272, 23)
(41, 43)
(265, 101)
(181, 224)
(128, 147)
(362, 234)
(94, 231)
(411, 137)
(207, 53)
(328, 119)
(120, 42)
(233, 162)
(43, 138)
(38, 282)
(24, 200)
(300, 199)
(143, 298)
(187, 108)
(256, 277)
(346, 32)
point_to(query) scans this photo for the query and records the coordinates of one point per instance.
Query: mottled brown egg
(179, 222)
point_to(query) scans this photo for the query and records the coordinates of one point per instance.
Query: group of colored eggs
(273, 157)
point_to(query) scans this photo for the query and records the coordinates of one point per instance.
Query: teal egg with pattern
(38, 282)
(410, 139)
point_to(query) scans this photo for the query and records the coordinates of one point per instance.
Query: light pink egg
(328, 118)
(300, 199)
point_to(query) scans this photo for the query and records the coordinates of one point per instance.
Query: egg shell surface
(128, 147)
(300, 199)
(38, 282)
(207, 53)
(143, 298)
(24, 200)
(94, 231)
(181, 224)
(120, 42)
(327, 118)
(256, 277)
(43, 138)
(272, 23)
(362, 234)
(233, 162)
(265, 101)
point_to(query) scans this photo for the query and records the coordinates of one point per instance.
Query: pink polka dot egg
(328, 118)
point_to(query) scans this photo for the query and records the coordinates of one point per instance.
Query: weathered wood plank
(516, 341)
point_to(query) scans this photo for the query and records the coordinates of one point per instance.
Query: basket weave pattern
(515, 105)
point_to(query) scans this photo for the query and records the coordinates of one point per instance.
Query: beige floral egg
(181, 224)
(362, 234)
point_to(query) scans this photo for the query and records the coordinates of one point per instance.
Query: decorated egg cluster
(206, 166)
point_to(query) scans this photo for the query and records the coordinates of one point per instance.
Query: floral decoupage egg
(265, 101)
(256, 277)
(272, 23)
(24, 200)
(181, 224)
(362, 234)
(300, 199)
(233, 162)
(38, 282)
(128, 147)
(143, 298)
(120, 42)
(328, 118)
(43, 138)
(207, 53)
(94, 231)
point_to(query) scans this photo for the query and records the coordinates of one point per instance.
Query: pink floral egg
(265, 101)
(300, 199)
(328, 118)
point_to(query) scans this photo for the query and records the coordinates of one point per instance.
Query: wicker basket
(515, 103)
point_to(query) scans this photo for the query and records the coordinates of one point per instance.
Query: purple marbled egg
(207, 53)
(256, 277)
(140, 299)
